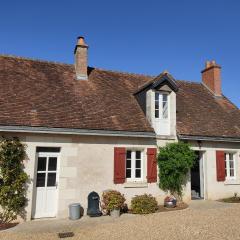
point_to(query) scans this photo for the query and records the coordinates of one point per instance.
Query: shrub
(175, 161)
(112, 199)
(13, 179)
(144, 204)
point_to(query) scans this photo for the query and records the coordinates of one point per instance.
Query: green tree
(174, 161)
(13, 179)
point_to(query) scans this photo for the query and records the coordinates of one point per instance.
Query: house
(89, 129)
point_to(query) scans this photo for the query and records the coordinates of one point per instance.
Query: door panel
(50, 208)
(40, 200)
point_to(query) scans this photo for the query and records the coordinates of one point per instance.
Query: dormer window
(158, 101)
(161, 105)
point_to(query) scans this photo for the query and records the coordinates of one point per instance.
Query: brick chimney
(211, 77)
(81, 59)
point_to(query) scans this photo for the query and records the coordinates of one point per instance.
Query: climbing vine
(13, 179)
(174, 161)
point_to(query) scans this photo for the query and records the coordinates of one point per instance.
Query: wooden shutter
(151, 165)
(119, 165)
(220, 166)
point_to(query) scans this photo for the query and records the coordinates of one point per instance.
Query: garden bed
(180, 206)
(4, 226)
(230, 200)
(161, 208)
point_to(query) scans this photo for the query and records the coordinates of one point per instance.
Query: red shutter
(151, 165)
(220, 166)
(119, 165)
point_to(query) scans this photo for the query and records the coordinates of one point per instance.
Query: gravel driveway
(202, 220)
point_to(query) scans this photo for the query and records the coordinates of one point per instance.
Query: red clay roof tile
(46, 94)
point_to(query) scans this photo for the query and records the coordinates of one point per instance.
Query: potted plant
(170, 202)
(113, 202)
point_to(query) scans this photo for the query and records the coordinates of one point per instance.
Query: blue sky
(135, 36)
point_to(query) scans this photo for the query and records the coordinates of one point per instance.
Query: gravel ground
(202, 220)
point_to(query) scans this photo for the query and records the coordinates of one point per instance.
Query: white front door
(46, 185)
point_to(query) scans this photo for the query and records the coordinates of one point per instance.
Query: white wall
(86, 164)
(213, 189)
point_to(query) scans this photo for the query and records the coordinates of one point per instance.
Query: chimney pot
(211, 77)
(208, 64)
(81, 42)
(213, 63)
(81, 59)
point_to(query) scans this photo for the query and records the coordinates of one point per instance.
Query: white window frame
(160, 104)
(47, 155)
(227, 165)
(133, 165)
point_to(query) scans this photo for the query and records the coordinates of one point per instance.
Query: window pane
(165, 110)
(230, 156)
(128, 163)
(128, 173)
(51, 181)
(41, 164)
(156, 114)
(165, 97)
(138, 154)
(52, 164)
(225, 156)
(138, 163)
(129, 154)
(138, 173)
(156, 96)
(40, 180)
(231, 173)
(231, 164)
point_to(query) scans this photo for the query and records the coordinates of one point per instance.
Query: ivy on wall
(175, 161)
(13, 179)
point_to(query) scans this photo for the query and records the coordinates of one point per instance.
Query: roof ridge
(69, 64)
(34, 59)
(126, 73)
(97, 68)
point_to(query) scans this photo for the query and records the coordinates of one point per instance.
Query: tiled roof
(46, 94)
(38, 93)
(200, 113)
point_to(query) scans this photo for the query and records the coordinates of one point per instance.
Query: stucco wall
(213, 189)
(86, 164)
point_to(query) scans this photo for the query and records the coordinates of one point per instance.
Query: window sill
(135, 185)
(232, 182)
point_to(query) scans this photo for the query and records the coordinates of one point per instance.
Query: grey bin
(74, 211)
